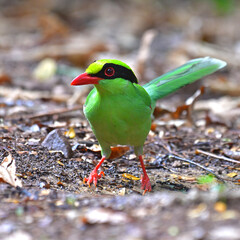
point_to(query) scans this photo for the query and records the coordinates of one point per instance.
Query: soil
(191, 153)
(55, 203)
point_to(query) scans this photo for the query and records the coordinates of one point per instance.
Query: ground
(191, 153)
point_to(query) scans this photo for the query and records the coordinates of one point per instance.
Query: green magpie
(119, 110)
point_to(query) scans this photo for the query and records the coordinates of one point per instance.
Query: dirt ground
(192, 153)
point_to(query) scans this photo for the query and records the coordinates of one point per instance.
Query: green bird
(119, 109)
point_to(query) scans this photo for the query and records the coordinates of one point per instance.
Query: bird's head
(105, 70)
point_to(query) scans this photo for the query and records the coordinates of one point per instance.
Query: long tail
(181, 76)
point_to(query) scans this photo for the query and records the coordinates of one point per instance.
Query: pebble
(56, 141)
(20, 235)
(225, 232)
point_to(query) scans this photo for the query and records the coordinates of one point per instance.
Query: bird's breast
(119, 119)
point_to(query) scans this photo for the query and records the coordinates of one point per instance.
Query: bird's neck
(112, 87)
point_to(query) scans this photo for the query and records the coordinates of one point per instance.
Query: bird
(119, 110)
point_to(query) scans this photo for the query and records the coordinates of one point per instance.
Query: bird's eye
(109, 72)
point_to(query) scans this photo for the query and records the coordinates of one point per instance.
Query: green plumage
(181, 76)
(119, 111)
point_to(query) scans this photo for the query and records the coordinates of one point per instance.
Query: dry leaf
(224, 86)
(70, 133)
(118, 151)
(45, 69)
(233, 153)
(220, 206)
(95, 148)
(153, 127)
(220, 107)
(122, 192)
(131, 177)
(232, 174)
(197, 211)
(188, 106)
(4, 78)
(8, 172)
(184, 178)
(159, 112)
(60, 163)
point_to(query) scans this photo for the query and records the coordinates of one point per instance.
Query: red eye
(109, 72)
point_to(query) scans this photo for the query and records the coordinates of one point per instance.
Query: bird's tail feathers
(181, 76)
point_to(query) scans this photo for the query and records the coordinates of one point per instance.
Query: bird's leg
(94, 176)
(146, 184)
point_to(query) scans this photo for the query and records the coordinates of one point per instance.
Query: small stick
(47, 114)
(189, 161)
(56, 112)
(216, 156)
(177, 156)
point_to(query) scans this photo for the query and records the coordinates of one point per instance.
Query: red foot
(93, 177)
(146, 184)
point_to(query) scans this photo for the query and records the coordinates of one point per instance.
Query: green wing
(181, 76)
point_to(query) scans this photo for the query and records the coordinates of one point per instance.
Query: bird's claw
(146, 184)
(93, 177)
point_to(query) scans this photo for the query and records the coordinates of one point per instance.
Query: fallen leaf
(60, 184)
(220, 206)
(232, 153)
(4, 78)
(60, 163)
(197, 211)
(70, 133)
(220, 107)
(224, 86)
(118, 151)
(8, 172)
(45, 69)
(179, 111)
(173, 231)
(184, 178)
(206, 179)
(131, 177)
(158, 112)
(211, 119)
(232, 174)
(153, 127)
(122, 192)
(188, 106)
(95, 148)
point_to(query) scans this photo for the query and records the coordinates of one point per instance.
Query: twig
(177, 156)
(197, 164)
(57, 112)
(216, 156)
(47, 114)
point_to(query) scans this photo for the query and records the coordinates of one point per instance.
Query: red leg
(94, 176)
(146, 184)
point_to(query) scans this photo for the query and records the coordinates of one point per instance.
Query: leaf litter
(53, 202)
(8, 172)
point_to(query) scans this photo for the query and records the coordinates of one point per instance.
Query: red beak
(84, 79)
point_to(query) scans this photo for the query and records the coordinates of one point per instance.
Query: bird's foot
(146, 184)
(93, 177)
